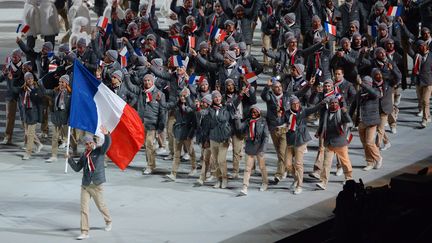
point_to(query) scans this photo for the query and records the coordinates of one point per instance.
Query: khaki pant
(150, 150)
(219, 153)
(207, 163)
(178, 151)
(58, 130)
(367, 137)
(319, 161)
(279, 140)
(96, 192)
(76, 135)
(342, 153)
(266, 43)
(161, 139)
(170, 133)
(250, 159)
(237, 144)
(423, 95)
(46, 104)
(392, 117)
(382, 136)
(296, 153)
(30, 132)
(11, 109)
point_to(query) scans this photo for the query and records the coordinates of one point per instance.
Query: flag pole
(67, 149)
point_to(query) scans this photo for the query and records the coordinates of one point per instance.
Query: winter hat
(70, 57)
(300, 68)
(215, 94)
(294, 99)
(188, 18)
(88, 139)
(81, 42)
(291, 39)
(132, 25)
(375, 71)
(355, 23)
(28, 75)
(142, 6)
(355, 35)
(425, 29)
(328, 81)
(242, 46)
(388, 40)
(176, 27)
(203, 45)
(118, 74)
(204, 81)
(379, 5)
(316, 18)
(238, 7)
(382, 26)
(343, 41)
(378, 50)
(48, 45)
(288, 35)
(230, 40)
(255, 107)
(65, 78)
(28, 64)
(290, 18)
(224, 46)
(420, 42)
(151, 37)
(233, 46)
(207, 99)
(230, 55)
(276, 83)
(229, 22)
(229, 81)
(112, 55)
(17, 52)
(64, 47)
(367, 80)
(149, 76)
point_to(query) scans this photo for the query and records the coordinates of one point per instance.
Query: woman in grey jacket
(61, 98)
(257, 135)
(31, 98)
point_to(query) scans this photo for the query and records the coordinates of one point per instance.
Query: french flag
(394, 11)
(23, 28)
(329, 28)
(52, 67)
(349, 136)
(95, 105)
(177, 41)
(218, 34)
(177, 61)
(102, 22)
(372, 30)
(191, 41)
(195, 79)
(251, 77)
(243, 69)
(123, 57)
(212, 25)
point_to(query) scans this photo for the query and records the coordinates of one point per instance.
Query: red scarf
(252, 127)
(317, 60)
(329, 94)
(417, 63)
(90, 161)
(26, 100)
(293, 121)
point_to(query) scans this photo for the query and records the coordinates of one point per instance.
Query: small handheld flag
(177, 41)
(191, 41)
(394, 11)
(195, 79)
(123, 57)
(251, 77)
(52, 67)
(23, 28)
(372, 30)
(329, 28)
(243, 69)
(102, 22)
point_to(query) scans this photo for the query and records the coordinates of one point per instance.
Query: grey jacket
(32, 113)
(60, 116)
(218, 127)
(258, 144)
(301, 134)
(98, 156)
(152, 113)
(366, 103)
(185, 124)
(334, 128)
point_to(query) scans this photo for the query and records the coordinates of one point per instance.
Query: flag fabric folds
(394, 11)
(93, 104)
(329, 28)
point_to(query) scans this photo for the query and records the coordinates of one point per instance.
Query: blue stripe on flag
(83, 111)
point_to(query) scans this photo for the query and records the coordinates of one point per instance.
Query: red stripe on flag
(127, 138)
